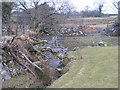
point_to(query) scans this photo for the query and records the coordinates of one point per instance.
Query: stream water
(54, 59)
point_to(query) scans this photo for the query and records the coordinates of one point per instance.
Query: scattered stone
(99, 43)
(61, 55)
(72, 31)
(5, 75)
(59, 69)
(1, 66)
(76, 48)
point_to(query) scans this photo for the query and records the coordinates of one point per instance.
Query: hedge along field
(93, 67)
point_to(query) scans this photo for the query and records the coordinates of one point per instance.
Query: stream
(55, 59)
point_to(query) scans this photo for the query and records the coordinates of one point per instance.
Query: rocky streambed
(28, 63)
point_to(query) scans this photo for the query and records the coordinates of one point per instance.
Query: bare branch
(115, 4)
(30, 61)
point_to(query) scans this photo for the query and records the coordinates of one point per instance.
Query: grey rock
(99, 43)
(5, 75)
(0, 57)
(59, 69)
(76, 48)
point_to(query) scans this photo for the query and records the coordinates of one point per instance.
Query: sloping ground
(94, 67)
(26, 80)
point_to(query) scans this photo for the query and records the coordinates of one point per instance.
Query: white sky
(80, 5)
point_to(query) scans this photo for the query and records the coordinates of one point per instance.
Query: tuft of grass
(94, 67)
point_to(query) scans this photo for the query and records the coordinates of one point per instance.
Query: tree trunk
(118, 29)
(9, 29)
(0, 42)
(23, 27)
(119, 10)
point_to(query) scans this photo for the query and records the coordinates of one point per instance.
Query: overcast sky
(80, 4)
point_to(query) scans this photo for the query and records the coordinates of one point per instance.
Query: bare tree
(0, 20)
(6, 16)
(117, 24)
(27, 11)
(42, 16)
(85, 11)
(117, 6)
(1, 55)
(99, 6)
(90, 13)
(66, 8)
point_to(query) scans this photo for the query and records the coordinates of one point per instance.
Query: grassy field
(101, 25)
(92, 23)
(81, 42)
(77, 25)
(94, 67)
(79, 18)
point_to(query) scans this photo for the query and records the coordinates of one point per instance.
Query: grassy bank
(94, 67)
(81, 42)
(77, 18)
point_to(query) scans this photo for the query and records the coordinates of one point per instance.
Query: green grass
(76, 25)
(100, 26)
(98, 68)
(77, 21)
(100, 17)
(70, 25)
(91, 18)
(81, 42)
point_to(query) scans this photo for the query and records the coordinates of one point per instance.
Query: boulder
(76, 48)
(5, 75)
(99, 43)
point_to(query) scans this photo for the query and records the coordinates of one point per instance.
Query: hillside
(92, 67)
